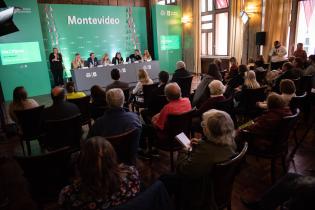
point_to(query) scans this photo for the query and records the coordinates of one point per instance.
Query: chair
(250, 97)
(97, 111)
(298, 102)
(306, 83)
(47, 173)
(84, 106)
(157, 103)
(64, 132)
(261, 77)
(227, 105)
(297, 83)
(30, 121)
(224, 175)
(126, 145)
(147, 93)
(127, 96)
(185, 85)
(279, 143)
(175, 125)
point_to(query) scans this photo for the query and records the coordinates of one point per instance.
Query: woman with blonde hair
(103, 182)
(105, 60)
(77, 62)
(250, 80)
(143, 79)
(146, 56)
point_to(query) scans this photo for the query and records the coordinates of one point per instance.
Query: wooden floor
(254, 177)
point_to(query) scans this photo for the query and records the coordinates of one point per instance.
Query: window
(170, 2)
(214, 27)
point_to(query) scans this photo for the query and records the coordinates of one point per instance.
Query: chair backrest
(147, 92)
(261, 76)
(157, 103)
(227, 105)
(64, 132)
(177, 123)
(98, 111)
(47, 173)
(297, 83)
(298, 102)
(30, 122)
(184, 84)
(84, 106)
(126, 94)
(252, 96)
(306, 83)
(126, 145)
(223, 176)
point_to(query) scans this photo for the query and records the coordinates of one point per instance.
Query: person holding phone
(56, 66)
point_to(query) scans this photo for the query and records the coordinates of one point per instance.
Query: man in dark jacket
(116, 83)
(181, 71)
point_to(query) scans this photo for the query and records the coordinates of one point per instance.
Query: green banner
(88, 28)
(22, 56)
(167, 33)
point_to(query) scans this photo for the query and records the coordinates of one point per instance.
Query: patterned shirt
(72, 198)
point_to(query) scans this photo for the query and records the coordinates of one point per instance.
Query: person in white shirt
(277, 56)
(144, 79)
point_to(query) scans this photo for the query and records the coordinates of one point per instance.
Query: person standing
(300, 52)
(277, 55)
(56, 66)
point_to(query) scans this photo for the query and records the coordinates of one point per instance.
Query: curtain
(309, 6)
(236, 30)
(277, 20)
(197, 34)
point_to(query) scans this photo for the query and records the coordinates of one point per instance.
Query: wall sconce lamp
(186, 19)
(251, 9)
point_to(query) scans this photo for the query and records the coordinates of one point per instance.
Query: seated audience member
(92, 60)
(310, 70)
(60, 109)
(287, 90)
(288, 72)
(237, 81)
(117, 59)
(181, 71)
(105, 60)
(98, 101)
(176, 105)
(146, 56)
(295, 191)
(72, 93)
(102, 182)
(298, 63)
(259, 63)
(250, 81)
(202, 92)
(136, 56)
(159, 91)
(194, 168)
(269, 122)
(115, 119)
(77, 63)
(300, 52)
(251, 64)
(116, 83)
(218, 62)
(143, 79)
(233, 70)
(217, 89)
(20, 102)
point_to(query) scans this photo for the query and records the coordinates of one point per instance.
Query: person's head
(118, 55)
(214, 71)
(172, 91)
(275, 101)
(105, 57)
(233, 61)
(277, 44)
(55, 50)
(216, 88)
(137, 52)
(77, 56)
(143, 76)
(250, 80)
(163, 77)
(312, 58)
(19, 94)
(98, 94)
(299, 46)
(287, 66)
(115, 98)
(291, 59)
(298, 63)
(287, 86)
(251, 60)
(218, 127)
(218, 61)
(180, 65)
(146, 53)
(242, 69)
(58, 94)
(98, 167)
(115, 74)
(92, 55)
(70, 87)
